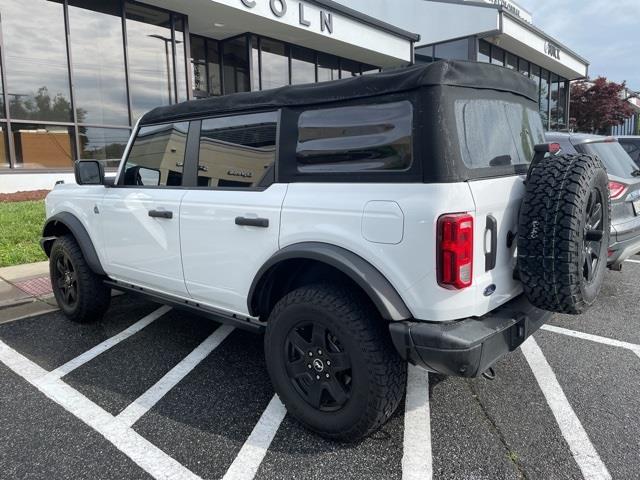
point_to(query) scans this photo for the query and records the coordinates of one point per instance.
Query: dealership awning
(319, 24)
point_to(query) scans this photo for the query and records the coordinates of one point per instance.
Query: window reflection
(181, 73)
(544, 96)
(36, 60)
(275, 64)
(43, 146)
(349, 68)
(236, 66)
(98, 62)
(456, 50)
(303, 65)
(150, 58)
(105, 144)
(328, 67)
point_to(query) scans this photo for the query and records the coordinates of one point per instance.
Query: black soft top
(448, 73)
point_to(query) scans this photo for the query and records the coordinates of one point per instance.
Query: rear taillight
(617, 189)
(455, 250)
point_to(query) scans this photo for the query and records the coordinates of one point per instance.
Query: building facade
(77, 74)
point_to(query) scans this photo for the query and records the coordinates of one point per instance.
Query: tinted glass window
(494, 133)
(616, 160)
(303, 65)
(456, 50)
(236, 66)
(511, 61)
(181, 72)
(43, 146)
(632, 147)
(356, 139)
(98, 63)
(424, 54)
(484, 52)
(544, 96)
(328, 67)
(349, 68)
(106, 144)
(36, 60)
(523, 66)
(497, 56)
(275, 64)
(237, 152)
(157, 156)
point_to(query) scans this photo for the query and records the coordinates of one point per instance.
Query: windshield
(497, 133)
(616, 160)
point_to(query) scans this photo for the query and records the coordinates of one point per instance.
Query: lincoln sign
(279, 9)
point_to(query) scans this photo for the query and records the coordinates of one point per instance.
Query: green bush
(20, 231)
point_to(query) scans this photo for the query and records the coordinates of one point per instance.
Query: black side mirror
(89, 172)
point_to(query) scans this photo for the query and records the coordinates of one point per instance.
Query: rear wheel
(80, 293)
(564, 233)
(332, 362)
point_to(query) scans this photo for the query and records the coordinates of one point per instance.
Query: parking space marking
(632, 261)
(593, 338)
(417, 461)
(572, 430)
(147, 400)
(246, 464)
(107, 344)
(146, 455)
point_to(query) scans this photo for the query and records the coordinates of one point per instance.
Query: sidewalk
(25, 290)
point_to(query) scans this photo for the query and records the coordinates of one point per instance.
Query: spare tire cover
(563, 235)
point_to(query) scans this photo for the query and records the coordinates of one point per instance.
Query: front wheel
(81, 294)
(332, 363)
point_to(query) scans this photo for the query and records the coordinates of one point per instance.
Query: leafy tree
(597, 105)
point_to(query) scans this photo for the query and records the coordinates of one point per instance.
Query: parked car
(359, 224)
(632, 145)
(624, 184)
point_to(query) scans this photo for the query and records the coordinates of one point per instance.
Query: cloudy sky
(605, 32)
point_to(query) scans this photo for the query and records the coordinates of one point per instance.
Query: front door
(141, 214)
(230, 224)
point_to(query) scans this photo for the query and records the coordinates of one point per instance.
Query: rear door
(495, 134)
(231, 222)
(140, 214)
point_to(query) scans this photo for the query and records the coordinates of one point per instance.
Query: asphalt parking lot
(151, 392)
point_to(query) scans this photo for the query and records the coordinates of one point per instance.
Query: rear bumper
(468, 347)
(620, 251)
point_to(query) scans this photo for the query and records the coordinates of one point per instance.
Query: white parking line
(593, 338)
(246, 464)
(632, 261)
(147, 456)
(107, 344)
(572, 430)
(417, 462)
(147, 400)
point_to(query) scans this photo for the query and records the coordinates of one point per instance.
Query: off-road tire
(552, 235)
(93, 296)
(378, 373)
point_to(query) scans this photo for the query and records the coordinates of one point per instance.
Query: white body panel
(139, 249)
(221, 258)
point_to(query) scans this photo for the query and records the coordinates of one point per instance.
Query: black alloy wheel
(593, 234)
(66, 280)
(318, 366)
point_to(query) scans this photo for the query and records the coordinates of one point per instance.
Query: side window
(238, 151)
(633, 149)
(365, 138)
(156, 158)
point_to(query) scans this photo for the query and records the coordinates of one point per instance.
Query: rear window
(616, 160)
(496, 133)
(366, 138)
(632, 146)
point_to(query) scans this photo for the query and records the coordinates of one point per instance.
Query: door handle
(252, 222)
(491, 256)
(161, 214)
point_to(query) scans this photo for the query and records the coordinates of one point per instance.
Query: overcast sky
(605, 32)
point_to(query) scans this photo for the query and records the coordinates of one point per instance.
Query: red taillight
(617, 189)
(455, 250)
(554, 148)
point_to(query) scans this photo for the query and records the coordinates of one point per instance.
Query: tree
(597, 105)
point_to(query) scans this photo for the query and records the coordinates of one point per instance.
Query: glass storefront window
(213, 60)
(349, 68)
(36, 60)
(303, 65)
(544, 96)
(4, 154)
(275, 64)
(199, 67)
(553, 100)
(180, 45)
(424, 54)
(328, 67)
(484, 52)
(523, 66)
(150, 58)
(497, 56)
(43, 146)
(562, 103)
(105, 144)
(255, 63)
(511, 61)
(456, 50)
(236, 65)
(369, 69)
(98, 62)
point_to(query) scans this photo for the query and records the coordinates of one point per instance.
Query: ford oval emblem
(490, 290)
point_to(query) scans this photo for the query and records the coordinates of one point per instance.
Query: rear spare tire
(564, 233)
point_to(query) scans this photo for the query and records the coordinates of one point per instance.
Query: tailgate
(497, 203)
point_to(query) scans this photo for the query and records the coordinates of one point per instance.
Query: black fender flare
(385, 297)
(52, 230)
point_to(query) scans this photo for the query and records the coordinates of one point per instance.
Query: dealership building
(77, 74)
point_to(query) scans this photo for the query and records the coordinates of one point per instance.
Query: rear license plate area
(636, 206)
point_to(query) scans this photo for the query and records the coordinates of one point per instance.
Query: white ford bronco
(413, 215)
